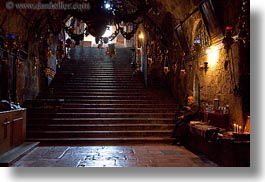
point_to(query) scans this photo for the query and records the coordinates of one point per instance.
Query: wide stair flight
(95, 100)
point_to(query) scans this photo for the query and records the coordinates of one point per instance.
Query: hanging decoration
(76, 37)
(50, 70)
(60, 52)
(243, 35)
(79, 37)
(228, 39)
(129, 35)
(109, 12)
(10, 42)
(166, 62)
(182, 64)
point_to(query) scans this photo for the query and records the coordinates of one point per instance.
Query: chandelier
(104, 13)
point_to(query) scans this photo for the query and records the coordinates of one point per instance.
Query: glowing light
(141, 36)
(107, 33)
(107, 6)
(212, 56)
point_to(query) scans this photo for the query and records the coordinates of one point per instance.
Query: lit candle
(234, 127)
(239, 129)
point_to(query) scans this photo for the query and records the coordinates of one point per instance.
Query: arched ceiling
(122, 11)
(160, 17)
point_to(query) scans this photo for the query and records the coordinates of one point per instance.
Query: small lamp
(183, 71)
(166, 65)
(150, 61)
(166, 69)
(204, 66)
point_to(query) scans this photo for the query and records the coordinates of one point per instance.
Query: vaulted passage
(95, 99)
(98, 73)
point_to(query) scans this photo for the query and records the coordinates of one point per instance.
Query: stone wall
(217, 82)
(221, 78)
(27, 84)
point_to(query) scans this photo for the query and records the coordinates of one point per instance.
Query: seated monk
(187, 114)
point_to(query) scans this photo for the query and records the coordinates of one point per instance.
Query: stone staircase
(95, 100)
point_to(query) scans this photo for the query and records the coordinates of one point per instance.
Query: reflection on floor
(163, 155)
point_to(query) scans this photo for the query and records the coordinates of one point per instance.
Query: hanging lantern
(166, 63)
(228, 39)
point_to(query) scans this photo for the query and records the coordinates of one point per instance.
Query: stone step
(58, 94)
(102, 141)
(123, 105)
(11, 156)
(113, 81)
(129, 93)
(99, 74)
(89, 64)
(99, 127)
(110, 83)
(97, 78)
(58, 86)
(78, 76)
(105, 85)
(101, 115)
(97, 66)
(101, 110)
(107, 101)
(80, 72)
(52, 106)
(133, 98)
(127, 106)
(99, 134)
(106, 91)
(78, 121)
(94, 92)
(117, 98)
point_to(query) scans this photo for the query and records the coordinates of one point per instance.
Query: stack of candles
(237, 128)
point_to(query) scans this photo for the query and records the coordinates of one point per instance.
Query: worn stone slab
(113, 156)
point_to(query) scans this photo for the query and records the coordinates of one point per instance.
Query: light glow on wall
(141, 36)
(212, 56)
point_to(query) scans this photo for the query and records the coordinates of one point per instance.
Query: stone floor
(156, 155)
